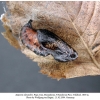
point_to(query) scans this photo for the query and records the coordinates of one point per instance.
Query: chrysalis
(43, 42)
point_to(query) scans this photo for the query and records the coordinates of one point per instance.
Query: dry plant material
(77, 23)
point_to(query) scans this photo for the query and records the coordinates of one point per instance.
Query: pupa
(44, 42)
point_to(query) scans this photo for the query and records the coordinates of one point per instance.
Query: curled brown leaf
(77, 23)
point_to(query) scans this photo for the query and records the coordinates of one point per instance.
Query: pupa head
(43, 43)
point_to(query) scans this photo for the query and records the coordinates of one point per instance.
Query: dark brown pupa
(43, 42)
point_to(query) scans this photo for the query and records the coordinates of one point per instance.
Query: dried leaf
(77, 23)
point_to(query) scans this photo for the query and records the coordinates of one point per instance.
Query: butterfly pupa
(44, 42)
